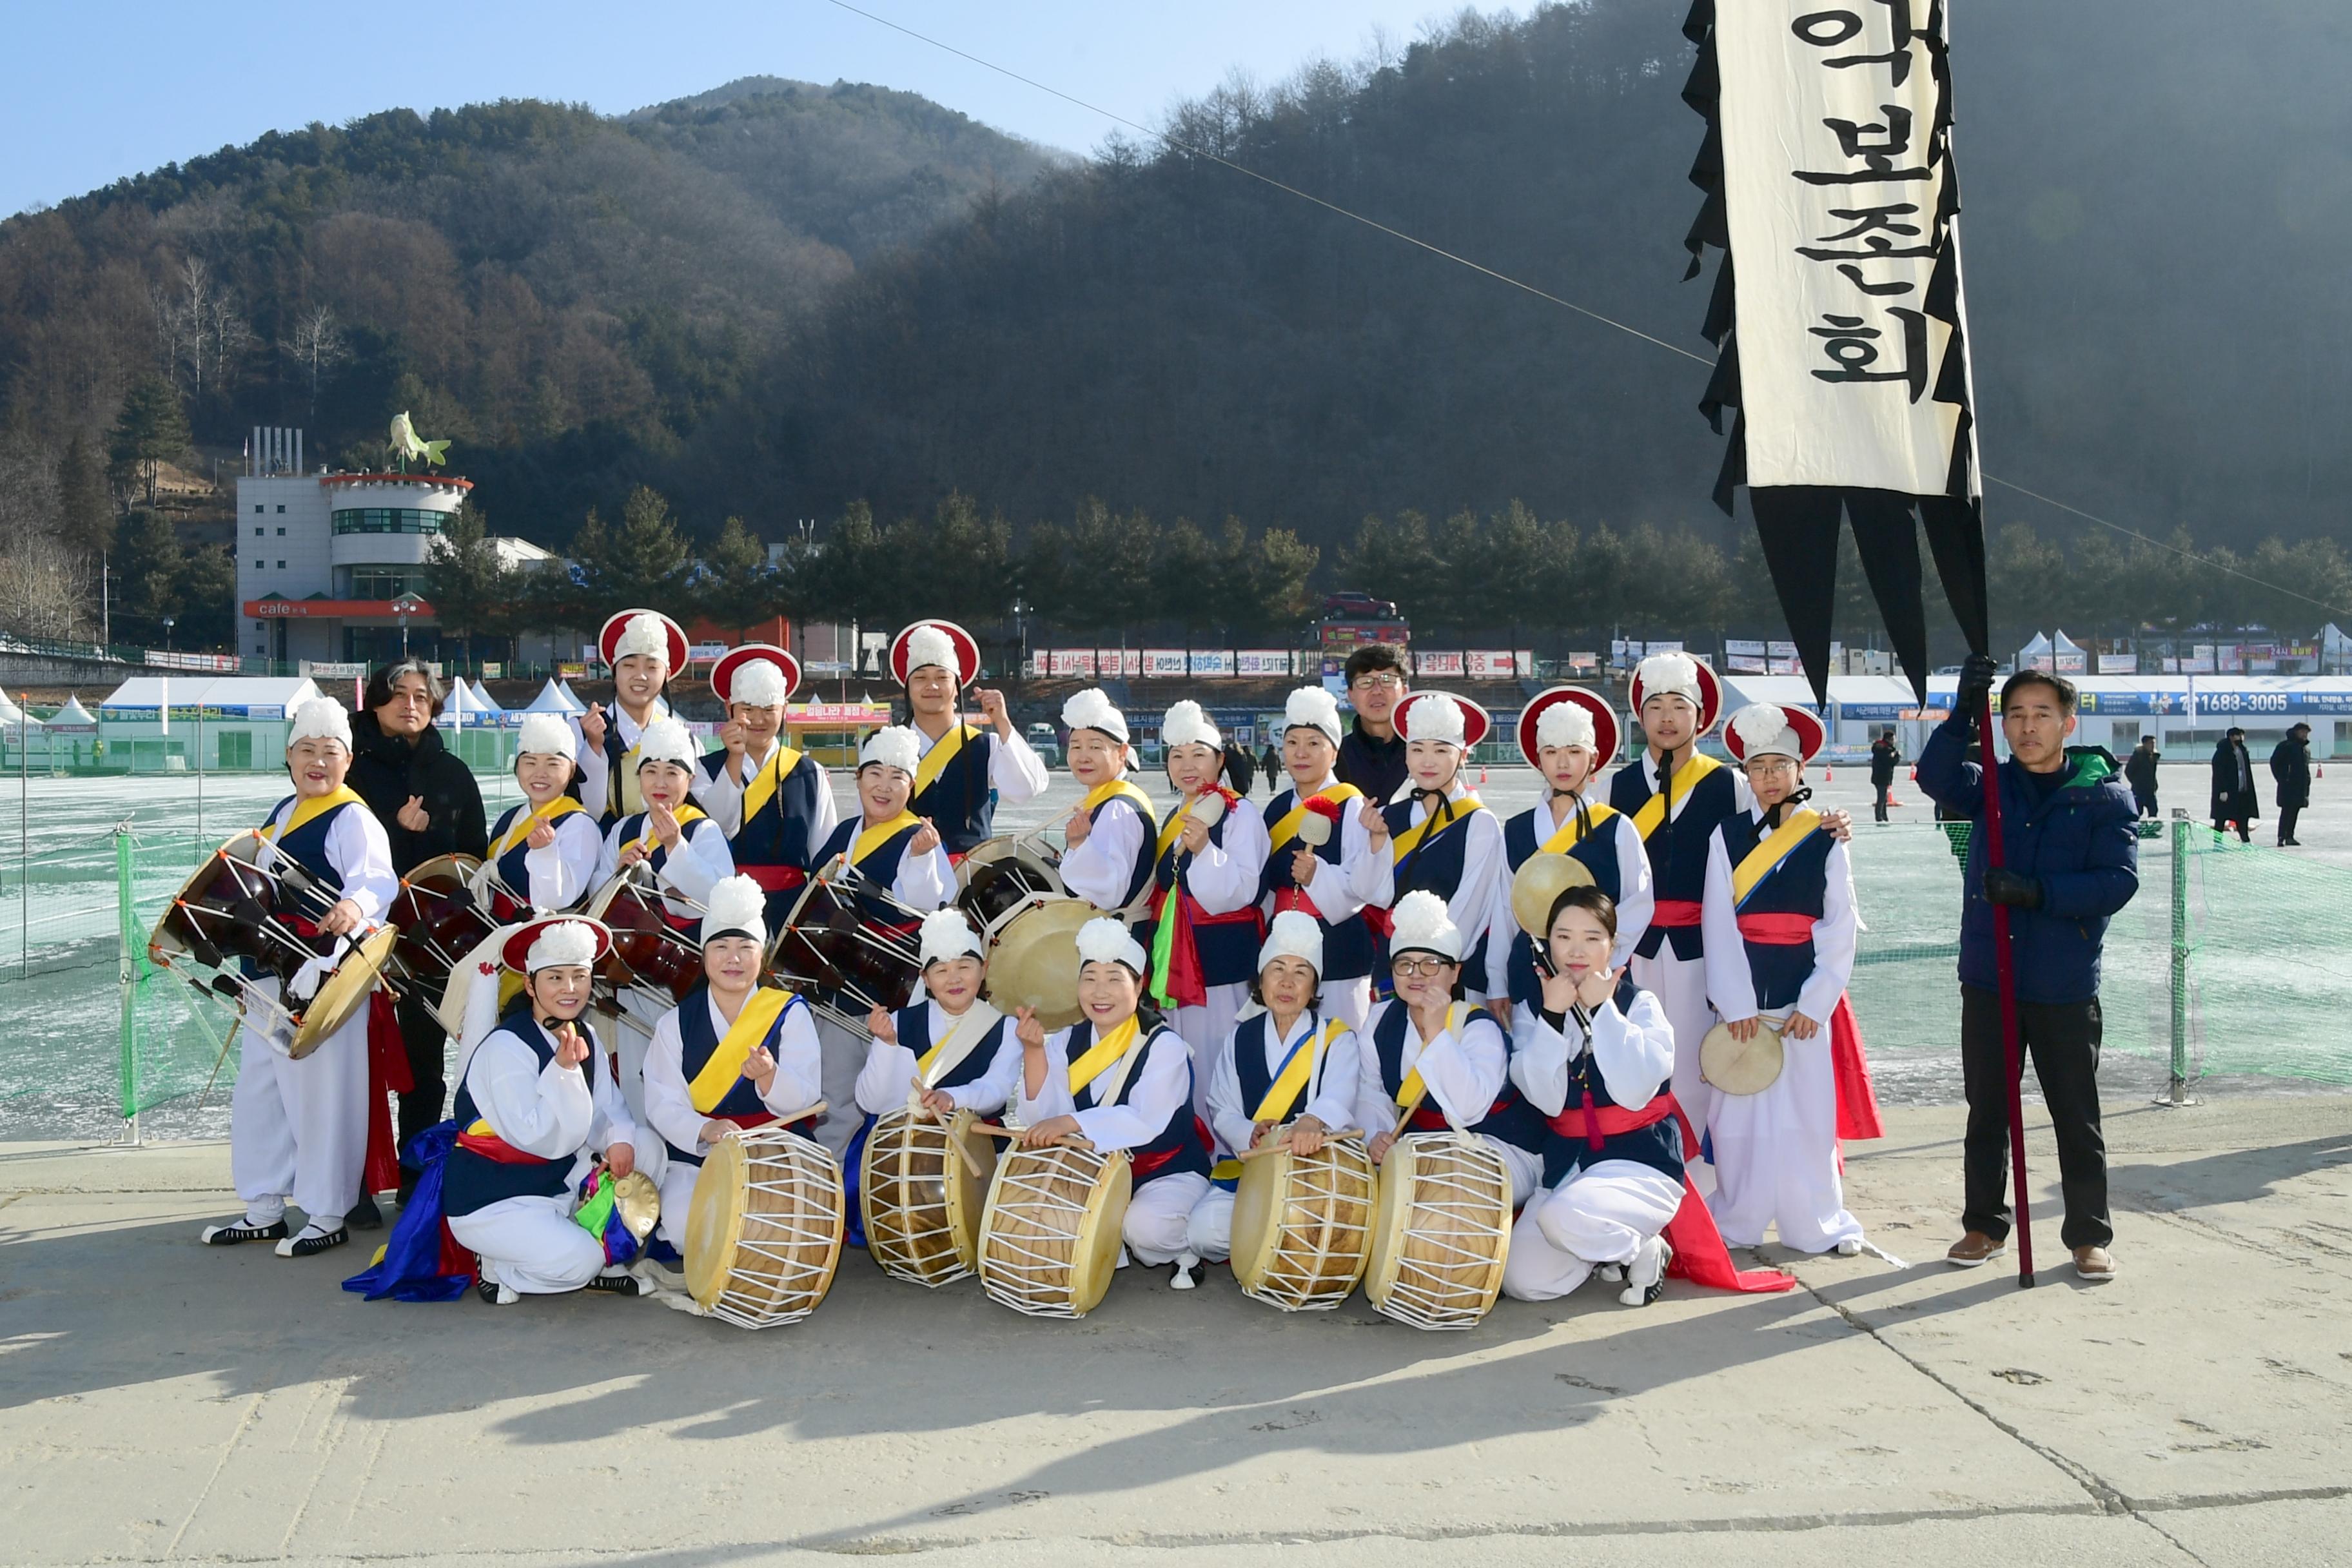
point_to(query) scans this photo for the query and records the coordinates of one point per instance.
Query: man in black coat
(2140, 770)
(2233, 787)
(1371, 754)
(429, 805)
(2291, 766)
(1885, 755)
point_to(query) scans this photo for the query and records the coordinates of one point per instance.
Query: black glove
(2006, 887)
(1976, 684)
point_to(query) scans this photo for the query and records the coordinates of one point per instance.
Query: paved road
(159, 1401)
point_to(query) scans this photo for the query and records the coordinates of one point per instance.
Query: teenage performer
(964, 770)
(1441, 837)
(770, 800)
(643, 649)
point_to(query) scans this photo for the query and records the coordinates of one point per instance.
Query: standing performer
(1203, 935)
(964, 771)
(687, 855)
(772, 803)
(643, 649)
(1338, 879)
(543, 852)
(1107, 849)
(1441, 837)
(299, 1130)
(1779, 919)
(1120, 1083)
(733, 1054)
(951, 1051)
(892, 850)
(1427, 1042)
(537, 1110)
(1286, 1069)
(1565, 735)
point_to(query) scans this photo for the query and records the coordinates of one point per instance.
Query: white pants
(1348, 1000)
(1158, 1216)
(532, 1245)
(1680, 987)
(843, 1057)
(1205, 1029)
(1601, 1214)
(677, 1199)
(1209, 1228)
(298, 1129)
(626, 1042)
(1776, 1158)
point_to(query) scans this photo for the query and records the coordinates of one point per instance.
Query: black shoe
(618, 1285)
(312, 1242)
(231, 1234)
(364, 1215)
(496, 1294)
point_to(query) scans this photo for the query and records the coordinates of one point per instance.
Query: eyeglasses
(1379, 682)
(1419, 968)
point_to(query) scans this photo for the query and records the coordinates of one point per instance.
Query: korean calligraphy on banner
(1837, 312)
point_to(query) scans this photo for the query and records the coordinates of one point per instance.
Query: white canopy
(554, 699)
(483, 699)
(239, 695)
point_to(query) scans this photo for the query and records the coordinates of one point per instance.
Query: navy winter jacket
(2082, 846)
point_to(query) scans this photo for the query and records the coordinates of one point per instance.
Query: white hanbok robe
(1015, 772)
(1636, 901)
(1224, 878)
(721, 798)
(1340, 892)
(1158, 1215)
(1464, 1074)
(563, 874)
(1334, 1087)
(1100, 870)
(886, 1080)
(669, 1103)
(1486, 868)
(686, 878)
(923, 883)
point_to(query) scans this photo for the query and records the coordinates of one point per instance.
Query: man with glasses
(1371, 757)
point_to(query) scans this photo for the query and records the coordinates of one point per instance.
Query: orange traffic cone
(1828, 774)
(1482, 776)
(1915, 775)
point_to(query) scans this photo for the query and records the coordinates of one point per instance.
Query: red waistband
(1675, 912)
(1295, 897)
(1246, 915)
(773, 878)
(492, 1147)
(1593, 1122)
(1777, 931)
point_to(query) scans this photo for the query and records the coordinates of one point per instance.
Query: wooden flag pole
(2005, 967)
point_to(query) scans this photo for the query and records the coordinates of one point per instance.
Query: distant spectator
(1241, 767)
(2139, 768)
(1885, 755)
(1269, 762)
(2233, 787)
(2291, 766)
(1371, 756)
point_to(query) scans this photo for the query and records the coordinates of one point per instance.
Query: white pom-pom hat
(942, 643)
(947, 935)
(1568, 716)
(1679, 675)
(321, 719)
(1093, 709)
(667, 740)
(1772, 729)
(642, 632)
(737, 907)
(1421, 925)
(1442, 716)
(557, 939)
(1312, 708)
(548, 735)
(892, 746)
(1295, 933)
(1186, 725)
(1106, 940)
(759, 674)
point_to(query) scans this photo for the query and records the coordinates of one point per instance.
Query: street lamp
(407, 605)
(167, 634)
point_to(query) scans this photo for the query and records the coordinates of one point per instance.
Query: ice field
(60, 988)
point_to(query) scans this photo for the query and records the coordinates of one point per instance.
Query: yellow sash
(309, 808)
(944, 750)
(1287, 830)
(1103, 1055)
(1409, 1092)
(1118, 789)
(1571, 832)
(1283, 1092)
(1760, 862)
(1436, 822)
(687, 813)
(719, 1074)
(771, 774)
(555, 810)
(1654, 810)
(869, 840)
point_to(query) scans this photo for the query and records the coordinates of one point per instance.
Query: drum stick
(963, 1149)
(1271, 1144)
(1067, 1141)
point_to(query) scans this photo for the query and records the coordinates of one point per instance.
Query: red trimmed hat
(608, 640)
(1476, 721)
(966, 651)
(731, 664)
(515, 951)
(1710, 691)
(1753, 728)
(1607, 732)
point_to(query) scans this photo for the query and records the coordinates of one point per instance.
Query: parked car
(1351, 605)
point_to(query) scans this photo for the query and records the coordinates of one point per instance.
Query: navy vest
(915, 1034)
(778, 833)
(1145, 856)
(1677, 851)
(1348, 943)
(1250, 1039)
(1434, 866)
(306, 848)
(1510, 1118)
(1227, 947)
(961, 801)
(1658, 1145)
(1798, 886)
(697, 1038)
(633, 829)
(881, 866)
(1522, 837)
(514, 866)
(1178, 1147)
(472, 1180)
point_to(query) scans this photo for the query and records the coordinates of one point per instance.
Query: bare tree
(317, 347)
(199, 336)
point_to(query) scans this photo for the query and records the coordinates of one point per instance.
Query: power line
(1506, 278)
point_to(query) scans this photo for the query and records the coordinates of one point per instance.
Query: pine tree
(468, 583)
(151, 430)
(85, 513)
(150, 568)
(736, 588)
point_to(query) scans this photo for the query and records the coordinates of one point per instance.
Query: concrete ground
(160, 1401)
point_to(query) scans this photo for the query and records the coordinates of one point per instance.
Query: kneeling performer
(1120, 1085)
(537, 1108)
(949, 1050)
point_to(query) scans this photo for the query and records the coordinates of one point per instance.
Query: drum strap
(1100, 1057)
(965, 1034)
(1410, 1093)
(1297, 1069)
(726, 1057)
(871, 838)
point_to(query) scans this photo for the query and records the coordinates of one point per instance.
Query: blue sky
(119, 88)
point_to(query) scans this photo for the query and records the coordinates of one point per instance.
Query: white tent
(2035, 653)
(73, 713)
(483, 700)
(2069, 653)
(573, 697)
(14, 716)
(554, 699)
